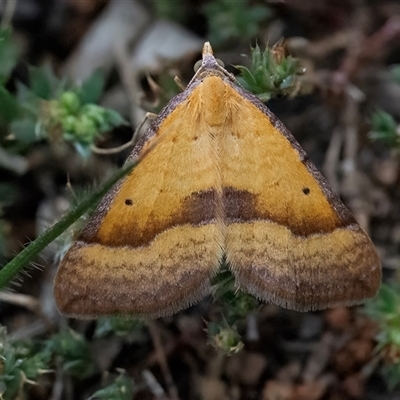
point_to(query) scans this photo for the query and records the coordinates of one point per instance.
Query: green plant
(121, 388)
(8, 57)
(234, 306)
(128, 328)
(21, 365)
(385, 310)
(50, 108)
(224, 337)
(385, 128)
(7, 196)
(172, 10)
(55, 110)
(229, 20)
(73, 352)
(22, 259)
(395, 71)
(271, 72)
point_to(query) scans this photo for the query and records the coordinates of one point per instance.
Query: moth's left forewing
(289, 238)
(155, 241)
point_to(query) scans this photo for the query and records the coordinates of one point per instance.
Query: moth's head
(209, 66)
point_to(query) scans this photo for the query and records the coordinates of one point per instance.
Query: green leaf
(384, 309)
(73, 350)
(24, 130)
(236, 304)
(43, 82)
(92, 88)
(389, 299)
(394, 336)
(114, 118)
(391, 373)
(229, 20)
(384, 128)
(25, 95)
(20, 361)
(395, 71)
(8, 194)
(8, 54)
(120, 326)
(120, 389)
(8, 108)
(171, 10)
(83, 149)
(271, 72)
(382, 121)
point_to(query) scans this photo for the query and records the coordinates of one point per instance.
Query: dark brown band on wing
(241, 206)
(197, 209)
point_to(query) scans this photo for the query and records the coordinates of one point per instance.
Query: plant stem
(35, 247)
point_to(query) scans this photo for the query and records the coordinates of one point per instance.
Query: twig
(153, 385)
(128, 77)
(162, 360)
(351, 176)
(362, 49)
(252, 331)
(319, 358)
(38, 327)
(332, 158)
(377, 42)
(131, 142)
(179, 83)
(58, 386)
(351, 121)
(21, 300)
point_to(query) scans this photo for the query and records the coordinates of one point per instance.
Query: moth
(222, 178)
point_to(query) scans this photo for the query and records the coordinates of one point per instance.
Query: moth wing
(289, 239)
(154, 241)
